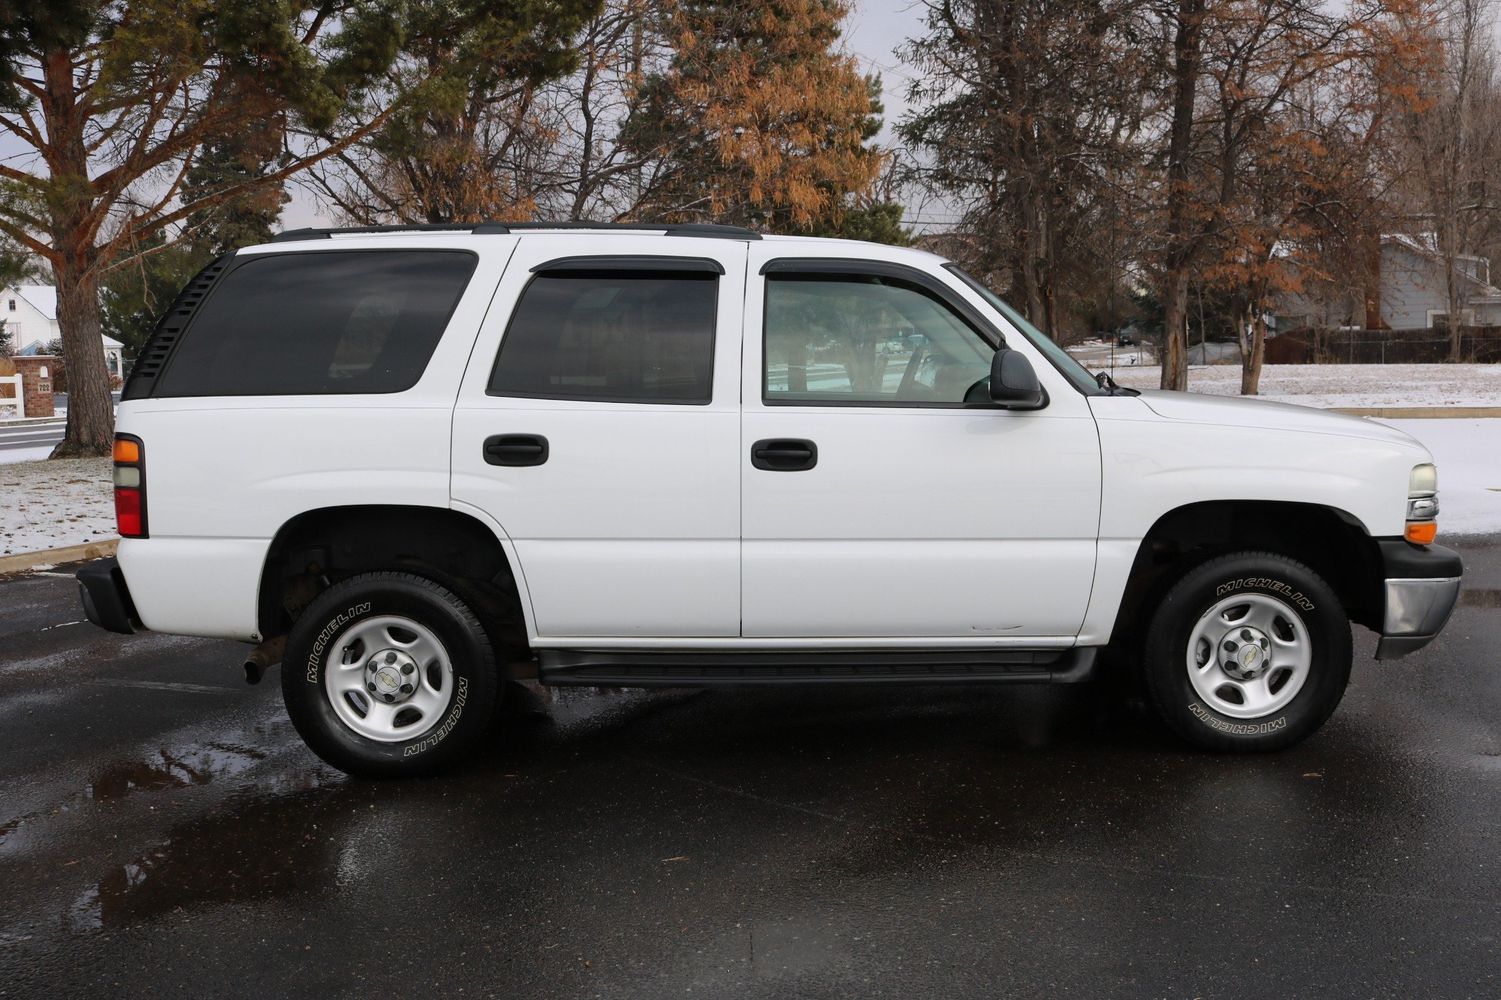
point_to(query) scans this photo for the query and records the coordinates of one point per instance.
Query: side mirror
(1012, 384)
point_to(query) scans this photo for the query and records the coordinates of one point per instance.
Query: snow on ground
(1468, 456)
(9, 455)
(44, 505)
(1330, 386)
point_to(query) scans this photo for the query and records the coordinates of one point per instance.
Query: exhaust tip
(267, 654)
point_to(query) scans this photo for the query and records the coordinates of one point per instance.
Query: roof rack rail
(701, 229)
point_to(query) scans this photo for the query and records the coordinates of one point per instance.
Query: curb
(23, 561)
(1419, 412)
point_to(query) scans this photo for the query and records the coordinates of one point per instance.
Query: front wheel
(1247, 652)
(389, 675)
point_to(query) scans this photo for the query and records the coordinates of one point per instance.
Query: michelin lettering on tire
(1265, 583)
(460, 694)
(330, 630)
(1235, 728)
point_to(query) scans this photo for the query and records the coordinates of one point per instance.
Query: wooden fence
(1478, 344)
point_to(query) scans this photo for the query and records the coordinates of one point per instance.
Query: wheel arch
(320, 547)
(1334, 543)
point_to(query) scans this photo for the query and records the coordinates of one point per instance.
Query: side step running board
(630, 668)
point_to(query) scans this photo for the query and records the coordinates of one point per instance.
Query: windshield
(1061, 359)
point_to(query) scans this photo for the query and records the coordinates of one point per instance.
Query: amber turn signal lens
(1422, 532)
(127, 450)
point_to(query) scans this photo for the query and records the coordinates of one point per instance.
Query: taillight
(130, 486)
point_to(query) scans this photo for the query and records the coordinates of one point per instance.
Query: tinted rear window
(312, 323)
(618, 336)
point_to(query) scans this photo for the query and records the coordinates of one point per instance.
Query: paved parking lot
(163, 832)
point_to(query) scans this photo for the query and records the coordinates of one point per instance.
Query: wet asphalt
(164, 833)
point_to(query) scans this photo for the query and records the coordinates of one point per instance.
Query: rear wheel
(388, 675)
(1248, 652)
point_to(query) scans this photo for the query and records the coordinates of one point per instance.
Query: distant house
(29, 315)
(1414, 293)
(1406, 292)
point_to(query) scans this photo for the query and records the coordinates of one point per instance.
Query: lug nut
(407, 668)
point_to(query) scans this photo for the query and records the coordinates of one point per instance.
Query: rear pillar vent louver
(153, 357)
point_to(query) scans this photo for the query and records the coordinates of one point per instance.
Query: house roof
(40, 346)
(1425, 245)
(43, 298)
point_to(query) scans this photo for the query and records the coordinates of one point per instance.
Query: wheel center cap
(391, 676)
(1245, 653)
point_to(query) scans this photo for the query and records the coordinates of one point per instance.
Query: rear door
(598, 425)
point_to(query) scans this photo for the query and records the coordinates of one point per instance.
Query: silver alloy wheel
(389, 679)
(1249, 656)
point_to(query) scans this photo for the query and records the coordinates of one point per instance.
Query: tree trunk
(1456, 325)
(1029, 260)
(74, 224)
(91, 408)
(1186, 44)
(1175, 331)
(1252, 354)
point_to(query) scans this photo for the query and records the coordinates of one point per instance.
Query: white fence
(12, 407)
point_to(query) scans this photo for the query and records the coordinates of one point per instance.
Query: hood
(1243, 411)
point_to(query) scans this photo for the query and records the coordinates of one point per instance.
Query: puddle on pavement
(167, 769)
(279, 842)
(164, 769)
(1480, 598)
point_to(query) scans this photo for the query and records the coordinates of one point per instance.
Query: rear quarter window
(343, 321)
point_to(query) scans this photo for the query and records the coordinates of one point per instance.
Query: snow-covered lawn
(1331, 386)
(46, 505)
(1468, 455)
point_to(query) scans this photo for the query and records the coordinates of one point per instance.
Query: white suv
(414, 462)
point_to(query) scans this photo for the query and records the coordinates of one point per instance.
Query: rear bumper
(1421, 589)
(105, 597)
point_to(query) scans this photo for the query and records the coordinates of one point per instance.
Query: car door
(598, 426)
(875, 505)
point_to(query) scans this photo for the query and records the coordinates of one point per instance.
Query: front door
(598, 425)
(875, 505)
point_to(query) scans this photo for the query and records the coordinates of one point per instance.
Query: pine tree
(758, 119)
(118, 98)
(460, 93)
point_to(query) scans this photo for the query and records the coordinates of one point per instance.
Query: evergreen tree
(446, 153)
(118, 98)
(758, 119)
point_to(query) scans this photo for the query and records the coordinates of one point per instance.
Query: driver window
(877, 340)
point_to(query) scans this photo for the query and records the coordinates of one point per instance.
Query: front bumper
(105, 597)
(1422, 587)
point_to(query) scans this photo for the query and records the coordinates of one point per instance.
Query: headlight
(1422, 504)
(1424, 480)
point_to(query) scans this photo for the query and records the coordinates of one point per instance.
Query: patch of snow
(1329, 386)
(12, 455)
(1469, 471)
(45, 505)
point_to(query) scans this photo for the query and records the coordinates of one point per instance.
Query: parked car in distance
(413, 463)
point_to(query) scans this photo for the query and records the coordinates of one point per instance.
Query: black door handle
(516, 449)
(784, 454)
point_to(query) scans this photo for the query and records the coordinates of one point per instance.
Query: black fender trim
(106, 598)
(1403, 560)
